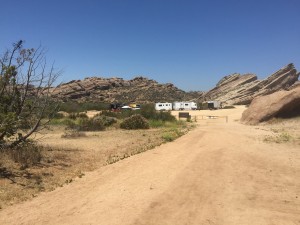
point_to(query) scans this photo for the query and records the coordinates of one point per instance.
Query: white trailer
(184, 106)
(163, 106)
(214, 104)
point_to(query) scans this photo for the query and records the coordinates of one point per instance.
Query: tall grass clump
(97, 123)
(27, 154)
(74, 116)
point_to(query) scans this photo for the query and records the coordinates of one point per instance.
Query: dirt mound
(279, 104)
(242, 89)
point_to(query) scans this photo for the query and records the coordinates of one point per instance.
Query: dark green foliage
(97, 123)
(121, 114)
(85, 124)
(148, 111)
(135, 122)
(203, 106)
(73, 107)
(111, 114)
(105, 120)
(25, 82)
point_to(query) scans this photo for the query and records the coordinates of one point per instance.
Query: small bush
(168, 137)
(171, 134)
(90, 125)
(135, 122)
(73, 106)
(84, 124)
(105, 120)
(27, 154)
(148, 111)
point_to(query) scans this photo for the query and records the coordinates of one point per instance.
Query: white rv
(163, 106)
(184, 106)
(214, 104)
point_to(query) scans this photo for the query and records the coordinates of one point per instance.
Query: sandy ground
(219, 173)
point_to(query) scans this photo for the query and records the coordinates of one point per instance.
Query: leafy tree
(25, 85)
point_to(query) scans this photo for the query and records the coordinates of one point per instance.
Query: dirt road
(219, 173)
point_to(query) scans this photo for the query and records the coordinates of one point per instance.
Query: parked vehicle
(135, 106)
(214, 104)
(184, 106)
(116, 107)
(163, 106)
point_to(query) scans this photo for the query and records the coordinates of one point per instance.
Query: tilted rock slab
(239, 89)
(278, 104)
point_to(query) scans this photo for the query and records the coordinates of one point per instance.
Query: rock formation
(230, 90)
(242, 89)
(139, 89)
(279, 104)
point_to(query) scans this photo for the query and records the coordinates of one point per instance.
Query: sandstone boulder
(278, 104)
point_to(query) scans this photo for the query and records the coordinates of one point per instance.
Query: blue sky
(189, 43)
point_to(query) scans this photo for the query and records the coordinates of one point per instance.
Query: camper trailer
(184, 106)
(163, 106)
(214, 104)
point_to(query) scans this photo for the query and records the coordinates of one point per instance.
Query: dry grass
(284, 130)
(60, 165)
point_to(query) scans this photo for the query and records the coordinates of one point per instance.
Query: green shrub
(148, 111)
(135, 122)
(85, 124)
(72, 106)
(171, 134)
(105, 120)
(168, 137)
(111, 114)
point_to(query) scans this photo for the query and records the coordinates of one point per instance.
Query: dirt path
(219, 173)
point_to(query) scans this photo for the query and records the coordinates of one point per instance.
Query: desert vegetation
(283, 130)
(75, 142)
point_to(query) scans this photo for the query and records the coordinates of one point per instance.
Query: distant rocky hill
(139, 89)
(242, 89)
(230, 90)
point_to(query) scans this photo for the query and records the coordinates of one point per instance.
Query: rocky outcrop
(278, 104)
(242, 89)
(139, 89)
(230, 90)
